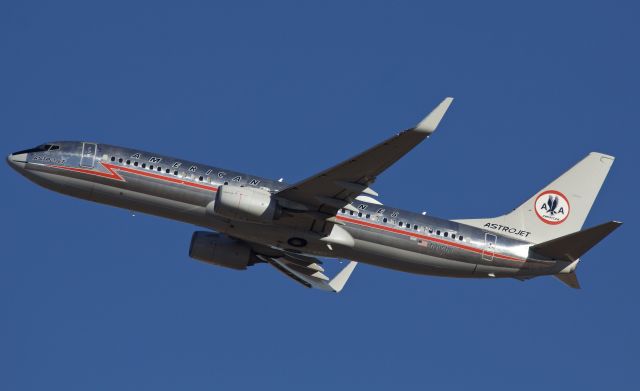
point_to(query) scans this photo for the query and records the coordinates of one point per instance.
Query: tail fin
(558, 209)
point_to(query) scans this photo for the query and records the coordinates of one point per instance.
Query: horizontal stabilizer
(571, 247)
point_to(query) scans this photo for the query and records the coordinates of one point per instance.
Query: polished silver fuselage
(183, 190)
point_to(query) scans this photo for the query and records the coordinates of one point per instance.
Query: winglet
(309, 275)
(337, 283)
(430, 122)
(569, 279)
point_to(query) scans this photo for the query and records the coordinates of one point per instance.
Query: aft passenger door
(88, 154)
(489, 246)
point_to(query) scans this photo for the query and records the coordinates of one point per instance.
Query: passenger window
(226, 183)
(368, 216)
(128, 162)
(342, 211)
(360, 214)
(351, 212)
(113, 158)
(453, 236)
(460, 237)
(384, 220)
(135, 164)
(438, 232)
(400, 223)
(175, 172)
(167, 171)
(144, 165)
(415, 227)
(446, 234)
(151, 167)
(430, 230)
(120, 160)
(159, 168)
(200, 179)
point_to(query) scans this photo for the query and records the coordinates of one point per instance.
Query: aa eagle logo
(552, 207)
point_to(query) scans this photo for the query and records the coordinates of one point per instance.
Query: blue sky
(93, 298)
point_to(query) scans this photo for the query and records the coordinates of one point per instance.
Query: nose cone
(17, 161)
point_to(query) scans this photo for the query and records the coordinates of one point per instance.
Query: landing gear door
(88, 155)
(489, 246)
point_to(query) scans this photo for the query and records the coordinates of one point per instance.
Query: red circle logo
(552, 207)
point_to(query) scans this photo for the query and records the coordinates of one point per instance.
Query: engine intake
(220, 250)
(245, 203)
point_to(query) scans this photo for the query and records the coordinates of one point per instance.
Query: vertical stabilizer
(558, 209)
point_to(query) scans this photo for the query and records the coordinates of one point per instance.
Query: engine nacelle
(245, 203)
(220, 250)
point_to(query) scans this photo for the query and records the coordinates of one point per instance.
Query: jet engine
(220, 250)
(245, 203)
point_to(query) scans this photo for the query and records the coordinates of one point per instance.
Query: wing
(337, 186)
(308, 272)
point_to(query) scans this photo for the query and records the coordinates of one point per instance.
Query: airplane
(332, 214)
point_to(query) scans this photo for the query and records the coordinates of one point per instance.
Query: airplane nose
(17, 161)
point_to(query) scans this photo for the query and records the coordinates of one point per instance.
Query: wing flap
(302, 261)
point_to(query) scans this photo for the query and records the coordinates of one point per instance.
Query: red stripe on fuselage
(428, 238)
(112, 174)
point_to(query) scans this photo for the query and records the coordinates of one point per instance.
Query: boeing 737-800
(333, 214)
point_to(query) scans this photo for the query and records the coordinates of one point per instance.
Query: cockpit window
(39, 148)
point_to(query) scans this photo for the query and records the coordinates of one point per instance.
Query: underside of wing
(309, 272)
